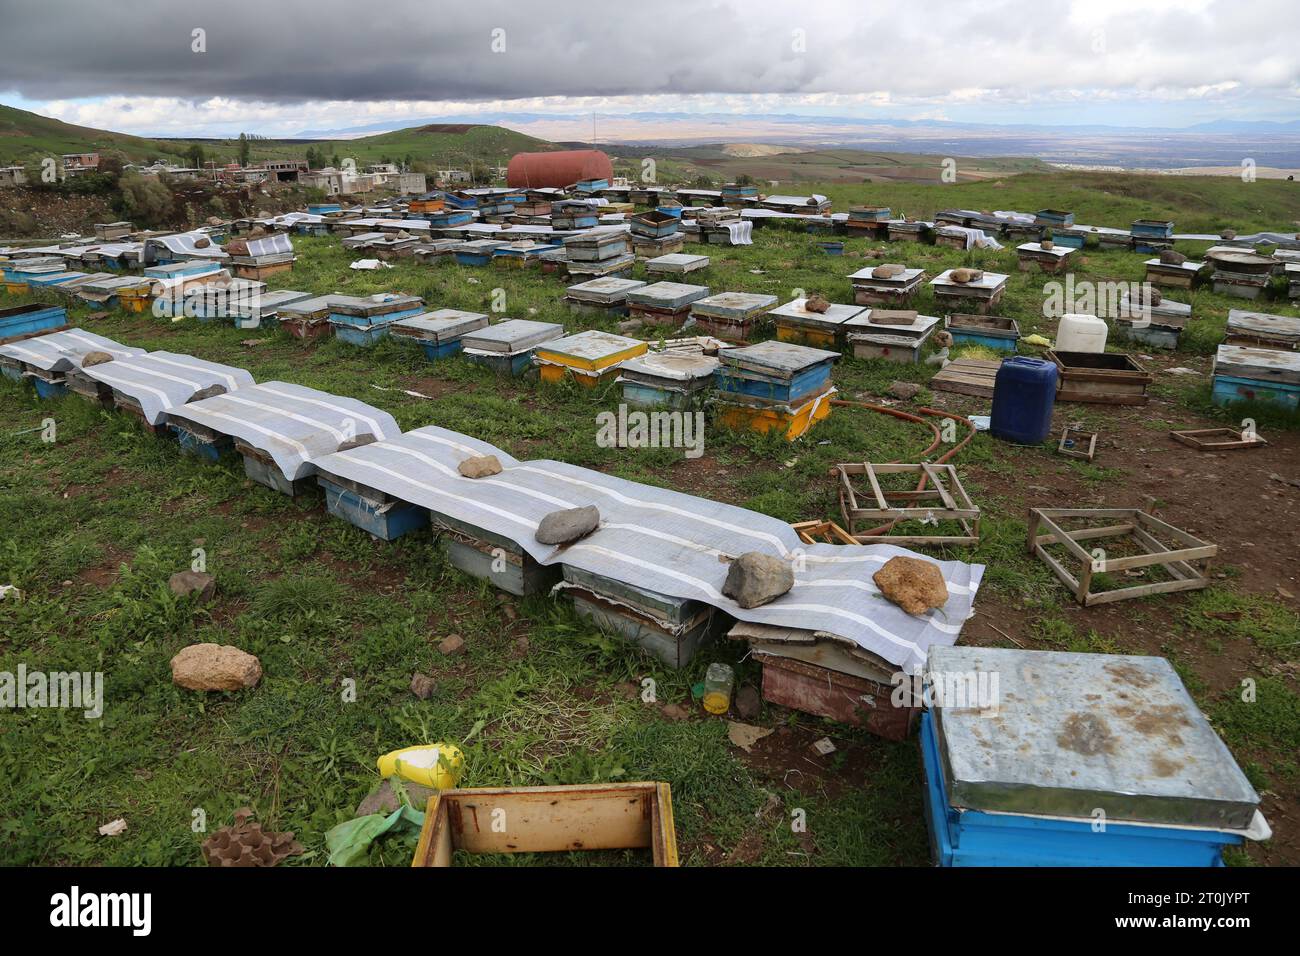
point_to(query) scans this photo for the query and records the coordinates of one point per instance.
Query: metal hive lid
(1075, 733)
(512, 335)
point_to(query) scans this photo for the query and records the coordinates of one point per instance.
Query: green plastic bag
(349, 842)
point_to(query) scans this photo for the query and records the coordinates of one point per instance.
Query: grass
(95, 523)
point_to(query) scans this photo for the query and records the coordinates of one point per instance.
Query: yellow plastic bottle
(431, 765)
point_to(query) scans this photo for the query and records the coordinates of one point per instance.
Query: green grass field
(92, 525)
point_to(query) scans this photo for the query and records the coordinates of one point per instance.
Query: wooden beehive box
(1108, 378)
(611, 816)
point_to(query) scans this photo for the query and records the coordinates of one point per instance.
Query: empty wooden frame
(613, 816)
(944, 500)
(1217, 439)
(1085, 444)
(1187, 565)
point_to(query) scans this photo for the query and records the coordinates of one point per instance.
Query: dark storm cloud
(292, 50)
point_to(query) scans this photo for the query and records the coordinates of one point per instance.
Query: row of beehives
(291, 436)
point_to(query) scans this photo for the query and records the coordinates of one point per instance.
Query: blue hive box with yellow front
(774, 386)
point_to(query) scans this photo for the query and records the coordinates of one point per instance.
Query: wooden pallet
(611, 816)
(1188, 564)
(967, 377)
(944, 500)
(1217, 439)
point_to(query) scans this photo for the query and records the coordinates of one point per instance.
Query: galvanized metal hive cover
(781, 359)
(61, 351)
(864, 277)
(440, 325)
(1075, 733)
(512, 335)
(592, 345)
(677, 262)
(1188, 266)
(734, 305)
(1277, 326)
(292, 424)
(667, 295)
(1276, 365)
(989, 281)
(607, 289)
(660, 540)
(797, 311)
(674, 366)
(313, 305)
(862, 323)
(158, 381)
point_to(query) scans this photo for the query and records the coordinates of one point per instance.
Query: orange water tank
(557, 169)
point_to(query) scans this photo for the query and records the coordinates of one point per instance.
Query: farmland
(95, 522)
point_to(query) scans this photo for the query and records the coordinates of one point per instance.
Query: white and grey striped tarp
(662, 540)
(292, 424)
(61, 351)
(158, 381)
(277, 244)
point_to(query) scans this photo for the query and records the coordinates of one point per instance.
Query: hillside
(29, 137)
(437, 146)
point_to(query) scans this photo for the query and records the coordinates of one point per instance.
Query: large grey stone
(756, 578)
(563, 527)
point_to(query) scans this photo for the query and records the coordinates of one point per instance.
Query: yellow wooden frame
(612, 816)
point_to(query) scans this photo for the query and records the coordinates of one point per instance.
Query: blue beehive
(1024, 393)
(1039, 758)
(26, 319)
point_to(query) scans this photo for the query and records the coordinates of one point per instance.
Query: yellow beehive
(792, 422)
(591, 358)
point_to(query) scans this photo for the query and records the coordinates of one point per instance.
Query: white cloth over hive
(742, 233)
(158, 381)
(976, 238)
(662, 540)
(292, 424)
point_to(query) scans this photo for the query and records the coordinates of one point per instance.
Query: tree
(145, 199)
(196, 155)
(245, 149)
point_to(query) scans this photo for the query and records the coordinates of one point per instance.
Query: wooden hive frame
(1216, 439)
(946, 500)
(1079, 437)
(610, 816)
(1188, 564)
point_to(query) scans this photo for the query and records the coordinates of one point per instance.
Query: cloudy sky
(278, 67)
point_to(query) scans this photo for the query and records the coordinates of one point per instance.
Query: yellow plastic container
(431, 765)
(793, 423)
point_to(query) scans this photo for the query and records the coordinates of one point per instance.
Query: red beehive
(557, 169)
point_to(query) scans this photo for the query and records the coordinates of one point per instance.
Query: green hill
(29, 137)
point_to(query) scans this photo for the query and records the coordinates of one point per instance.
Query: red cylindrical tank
(557, 169)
